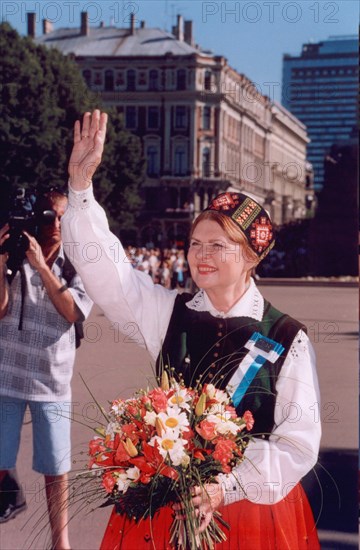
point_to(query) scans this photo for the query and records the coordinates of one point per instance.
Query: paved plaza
(113, 365)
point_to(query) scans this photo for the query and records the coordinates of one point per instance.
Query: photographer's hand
(34, 253)
(58, 293)
(87, 150)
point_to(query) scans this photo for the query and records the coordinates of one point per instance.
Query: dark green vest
(209, 349)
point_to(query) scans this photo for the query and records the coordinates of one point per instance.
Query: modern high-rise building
(320, 87)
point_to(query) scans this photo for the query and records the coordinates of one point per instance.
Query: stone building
(205, 128)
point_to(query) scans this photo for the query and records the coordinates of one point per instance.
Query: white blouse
(272, 467)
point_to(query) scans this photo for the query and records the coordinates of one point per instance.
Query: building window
(153, 117)
(130, 120)
(180, 160)
(130, 80)
(142, 79)
(206, 162)
(120, 79)
(180, 117)
(109, 81)
(98, 79)
(153, 80)
(152, 161)
(87, 77)
(181, 79)
(206, 118)
(207, 81)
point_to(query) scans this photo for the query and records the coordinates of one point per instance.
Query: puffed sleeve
(124, 294)
(273, 467)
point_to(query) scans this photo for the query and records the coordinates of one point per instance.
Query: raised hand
(88, 147)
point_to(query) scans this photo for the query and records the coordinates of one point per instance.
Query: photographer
(38, 309)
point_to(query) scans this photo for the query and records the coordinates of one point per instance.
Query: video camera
(23, 213)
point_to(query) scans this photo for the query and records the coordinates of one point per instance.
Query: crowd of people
(167, 267)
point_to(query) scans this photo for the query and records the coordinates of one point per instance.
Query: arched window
(180, 167)
(153, 80)
(152, 161)
(87, 77)
(109, 80)
(131, 80)
(181, 79)
(206, 162)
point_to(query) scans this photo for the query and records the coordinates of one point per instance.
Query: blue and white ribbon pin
(261, 349)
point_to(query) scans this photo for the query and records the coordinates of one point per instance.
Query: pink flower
(158, 399)
(249, 420)
(207, 430)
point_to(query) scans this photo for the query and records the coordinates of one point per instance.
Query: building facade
(204, 127)
(320, 87)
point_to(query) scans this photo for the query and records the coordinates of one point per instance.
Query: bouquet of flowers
(160, 444)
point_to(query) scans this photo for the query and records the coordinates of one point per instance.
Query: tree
(42, 94)
(122, 173)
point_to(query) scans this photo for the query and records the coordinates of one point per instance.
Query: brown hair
(232, 230)
(47, 199)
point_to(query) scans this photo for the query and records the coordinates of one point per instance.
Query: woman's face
(216, 262)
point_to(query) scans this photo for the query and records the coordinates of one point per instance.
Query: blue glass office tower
(320, 88)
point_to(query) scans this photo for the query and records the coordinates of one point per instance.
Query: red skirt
(287, 525)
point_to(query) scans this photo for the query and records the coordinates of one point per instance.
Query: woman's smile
(204, 269)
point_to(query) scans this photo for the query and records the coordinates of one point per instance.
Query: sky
(252, 35)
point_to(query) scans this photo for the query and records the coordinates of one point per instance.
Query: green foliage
(41, 95)
(120, 177)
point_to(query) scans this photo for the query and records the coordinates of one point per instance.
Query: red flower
(188, 435)
(158, 399)
(151, 463)
(200, 453)
(96, 446)
(108, 481)
(132, 409)
(121, 454)
(224, 452)
(207, 430)
(249, 419)
(130, 430)
(145, 400)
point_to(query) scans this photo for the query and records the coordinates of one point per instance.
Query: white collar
(251, 304)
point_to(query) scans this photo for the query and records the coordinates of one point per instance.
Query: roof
(116, 42)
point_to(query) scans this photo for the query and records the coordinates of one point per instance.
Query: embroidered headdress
(250, 216)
